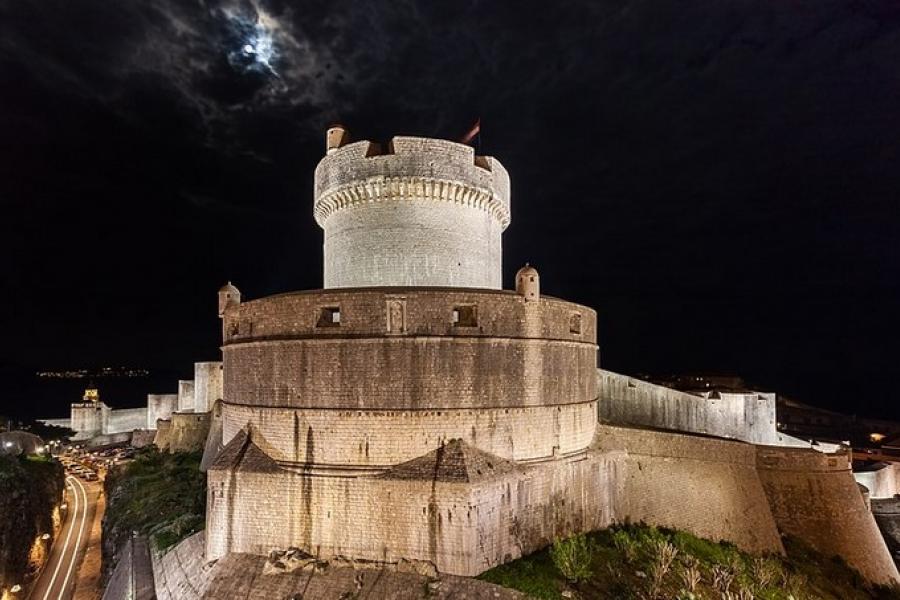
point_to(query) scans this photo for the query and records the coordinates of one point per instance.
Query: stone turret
(528, 283)
(229, 296)
(420, 212)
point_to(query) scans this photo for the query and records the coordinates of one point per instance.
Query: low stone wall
(706, 486)
(628, 401)
(883, 482)
(814, 497)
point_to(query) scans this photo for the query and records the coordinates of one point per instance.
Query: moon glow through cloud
(255, 49)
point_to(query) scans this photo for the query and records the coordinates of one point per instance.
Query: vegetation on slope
(157, 494)
(646, 563)
(30, 488)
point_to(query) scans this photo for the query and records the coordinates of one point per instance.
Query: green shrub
(572, 556)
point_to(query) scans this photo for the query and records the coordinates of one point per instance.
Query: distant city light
(876, 437)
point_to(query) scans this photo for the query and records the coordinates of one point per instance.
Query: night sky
(718, 179)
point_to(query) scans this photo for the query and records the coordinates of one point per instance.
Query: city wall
(705, 486)
(629, 401)
(881, 483)
(188, 432)
(160, 406)
(126, 419)
(163, 439)
(207, 385)
(814, 497)
(185, 395)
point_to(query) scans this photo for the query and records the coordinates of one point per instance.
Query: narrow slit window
(329, 316)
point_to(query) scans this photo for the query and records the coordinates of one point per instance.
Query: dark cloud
(718, 179)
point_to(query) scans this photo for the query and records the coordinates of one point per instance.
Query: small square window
(575, 323)
(465, 316)
(329, 316)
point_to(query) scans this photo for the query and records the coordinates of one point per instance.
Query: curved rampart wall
(628, 401)
(381, 438)
(705, 486)
(397, 348)
(428, 212)
(814, 497)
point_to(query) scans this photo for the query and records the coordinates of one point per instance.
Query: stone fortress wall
(185, 395)
(126, 419)
(160, 406)
(815, 497)
(707, 486)
(882, 482)
(742, 416)
(97, 421)
(419, 211)
(396, 376)
(458, 425)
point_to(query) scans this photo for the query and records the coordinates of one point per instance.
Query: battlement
(407, 166)
(417, 211)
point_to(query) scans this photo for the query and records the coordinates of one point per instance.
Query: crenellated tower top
(415, 212)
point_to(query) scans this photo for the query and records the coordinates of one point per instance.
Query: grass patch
(646, 563)
(158, 494)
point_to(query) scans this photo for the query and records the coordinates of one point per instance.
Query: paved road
(57, 580)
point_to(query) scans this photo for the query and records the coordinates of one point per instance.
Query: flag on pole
(476, 129)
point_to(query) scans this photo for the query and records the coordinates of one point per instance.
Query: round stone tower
(419, 212)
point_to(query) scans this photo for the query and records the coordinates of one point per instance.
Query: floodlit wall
(881, 483)
(188, 432)
(463, 528)
(126, 419)
(185, 395)
(628, 401)
(705, 486)
(207, 385)
(427, 213)
(814, 497)
(160, 406)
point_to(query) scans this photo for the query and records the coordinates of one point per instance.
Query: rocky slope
(30, 489)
